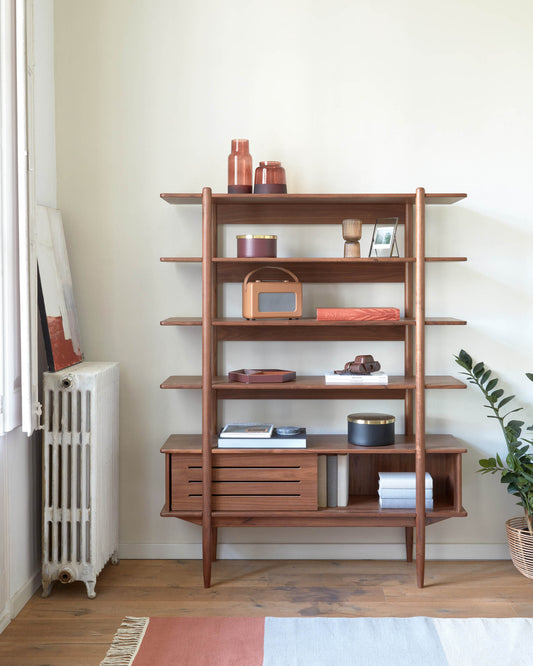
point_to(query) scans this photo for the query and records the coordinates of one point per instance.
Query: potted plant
(516, 469)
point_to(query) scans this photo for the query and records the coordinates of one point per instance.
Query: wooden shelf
(181, 321)
(323, 323)
(327, 444)
(315, 270)
(318, 270)
(182, 382)
(314, 260)
(309, 209)
(320, 518)
(313, 329)
(310, 328)
(181, 260)
(215, 487)
(408, 198)
(308, 321)
(312, 387)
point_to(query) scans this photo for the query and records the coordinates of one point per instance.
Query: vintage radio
(270, 299)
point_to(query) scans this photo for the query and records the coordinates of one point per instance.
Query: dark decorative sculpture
(361, 365)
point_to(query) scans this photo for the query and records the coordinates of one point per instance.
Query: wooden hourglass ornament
(351, 232)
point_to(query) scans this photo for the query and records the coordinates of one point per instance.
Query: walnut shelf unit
(215, 487)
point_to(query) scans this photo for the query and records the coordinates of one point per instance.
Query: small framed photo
(384, 238)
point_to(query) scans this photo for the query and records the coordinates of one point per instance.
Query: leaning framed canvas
(56, 296)
(384, 238)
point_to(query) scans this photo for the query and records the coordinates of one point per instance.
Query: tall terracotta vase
(240, 168)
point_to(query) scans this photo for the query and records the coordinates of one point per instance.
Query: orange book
(358, 314)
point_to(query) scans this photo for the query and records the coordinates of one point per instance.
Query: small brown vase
(270, 178)
(351, 232)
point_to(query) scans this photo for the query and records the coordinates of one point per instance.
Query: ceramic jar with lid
(251, 245)
(370, 429)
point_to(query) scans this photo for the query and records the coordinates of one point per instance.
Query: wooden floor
(67, 628)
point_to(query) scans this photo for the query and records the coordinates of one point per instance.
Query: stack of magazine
(261, 436)
(397, 490)
(331, 377)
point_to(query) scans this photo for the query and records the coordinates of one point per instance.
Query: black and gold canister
(371, 429)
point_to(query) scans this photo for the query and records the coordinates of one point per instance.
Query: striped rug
(366, 641)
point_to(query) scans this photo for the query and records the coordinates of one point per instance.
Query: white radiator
(80, 473)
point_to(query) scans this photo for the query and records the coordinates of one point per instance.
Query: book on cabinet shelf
(397, 490)
(276, 441)
(331, 377)
(409, 493)
(343, 485)
(402, 503)
(402, 480)
(322, 474)
(333, 480)
(247, 430)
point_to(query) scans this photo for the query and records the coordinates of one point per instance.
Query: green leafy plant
(517, 468)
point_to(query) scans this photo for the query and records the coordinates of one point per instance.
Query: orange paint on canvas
(62, 349)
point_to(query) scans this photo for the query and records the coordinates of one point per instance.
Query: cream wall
(353, 97)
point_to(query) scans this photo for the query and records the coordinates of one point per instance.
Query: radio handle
(278, 268)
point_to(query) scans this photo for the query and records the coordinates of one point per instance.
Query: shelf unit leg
(409, 543)
(207, 551)
(420, 372)
(214, 543)
(420, 553)
(207, 395)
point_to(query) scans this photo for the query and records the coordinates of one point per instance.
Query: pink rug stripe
(206, 641)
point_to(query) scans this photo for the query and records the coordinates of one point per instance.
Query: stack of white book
(397, 490)
(261, 436)
(331, 377)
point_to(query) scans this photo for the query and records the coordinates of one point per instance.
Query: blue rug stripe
(352, 642)
(486, 641)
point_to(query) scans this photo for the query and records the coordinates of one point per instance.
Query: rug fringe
(126, 642)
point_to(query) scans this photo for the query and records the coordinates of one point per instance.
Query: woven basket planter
(521, 545)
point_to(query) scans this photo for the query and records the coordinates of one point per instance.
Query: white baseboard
(5, 619)
(17, 602)
(314, 551)
(25, 593)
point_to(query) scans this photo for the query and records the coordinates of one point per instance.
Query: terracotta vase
(240, 167)
(270, 178)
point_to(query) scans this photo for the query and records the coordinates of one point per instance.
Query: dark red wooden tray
(261, 376)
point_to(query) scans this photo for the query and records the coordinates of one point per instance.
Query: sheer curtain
(18, 301)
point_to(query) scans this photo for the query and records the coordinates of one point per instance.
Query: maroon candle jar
(249, 245)
(270, 178)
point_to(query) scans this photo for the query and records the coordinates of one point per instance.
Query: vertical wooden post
(420, 455)
(409, 358)
(458, 490)
(409, 304)
(207, 360)
(214, 347)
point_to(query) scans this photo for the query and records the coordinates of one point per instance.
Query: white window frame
(18, 269)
